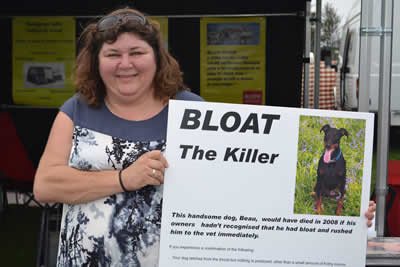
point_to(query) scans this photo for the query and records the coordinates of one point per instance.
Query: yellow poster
(163, 21)
(43, 55)
(232, 60)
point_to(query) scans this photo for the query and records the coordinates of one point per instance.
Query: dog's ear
(344, 132)
(325, 128)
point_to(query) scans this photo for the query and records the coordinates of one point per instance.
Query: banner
(232, 60)
(163, 21)
(265, 186)
(43, 55)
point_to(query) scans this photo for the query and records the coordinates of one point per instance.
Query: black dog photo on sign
(330, 162)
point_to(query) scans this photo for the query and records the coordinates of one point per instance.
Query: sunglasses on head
(110, 21)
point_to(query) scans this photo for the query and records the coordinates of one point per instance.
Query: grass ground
(19, 235)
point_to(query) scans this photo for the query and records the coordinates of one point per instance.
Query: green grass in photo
(310, 149)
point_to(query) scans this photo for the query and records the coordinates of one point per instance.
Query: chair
(16, 169)
(17, 174)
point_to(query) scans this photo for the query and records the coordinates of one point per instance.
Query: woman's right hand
(140, 173)
(56, 181)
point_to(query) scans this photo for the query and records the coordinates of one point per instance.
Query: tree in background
(330, 26)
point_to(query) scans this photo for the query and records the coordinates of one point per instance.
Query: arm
(55, 181)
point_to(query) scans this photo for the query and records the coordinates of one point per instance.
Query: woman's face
(128, 67)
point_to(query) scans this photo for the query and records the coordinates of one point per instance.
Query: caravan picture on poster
(329, 166)
(44, 75)
(239, 33)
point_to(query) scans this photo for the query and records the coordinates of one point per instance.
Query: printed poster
(265, 186)
(232, 60)
(43, 55)
(163, 21)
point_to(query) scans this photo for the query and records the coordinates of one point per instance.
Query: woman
(103, 158)
(117, 121)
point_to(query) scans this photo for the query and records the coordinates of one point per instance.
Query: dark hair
(168, 79)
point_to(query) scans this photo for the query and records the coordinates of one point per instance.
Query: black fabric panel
(184, 45)
(153, 7)
(5, 62)
(284, 61)
(284, 47)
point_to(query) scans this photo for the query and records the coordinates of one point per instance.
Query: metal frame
(292, 14)
(385, 75)
(317, 54)
(365, 56)
(307, 50)
(384, 32)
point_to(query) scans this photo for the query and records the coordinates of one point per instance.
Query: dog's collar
(338, 156)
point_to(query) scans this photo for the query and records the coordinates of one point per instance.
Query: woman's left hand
(370, 214)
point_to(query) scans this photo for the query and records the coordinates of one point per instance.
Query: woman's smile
(126, 76)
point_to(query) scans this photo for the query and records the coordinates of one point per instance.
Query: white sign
(258, 185)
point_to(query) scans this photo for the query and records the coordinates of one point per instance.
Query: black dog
(331, 173)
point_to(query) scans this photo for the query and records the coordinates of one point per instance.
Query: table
(383, 251)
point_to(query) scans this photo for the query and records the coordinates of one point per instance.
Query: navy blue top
(122, 229)
(94, 118)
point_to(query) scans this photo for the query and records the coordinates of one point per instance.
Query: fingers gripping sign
(370, 213)
(148, 169)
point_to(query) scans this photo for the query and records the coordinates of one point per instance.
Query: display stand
(383, 251)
